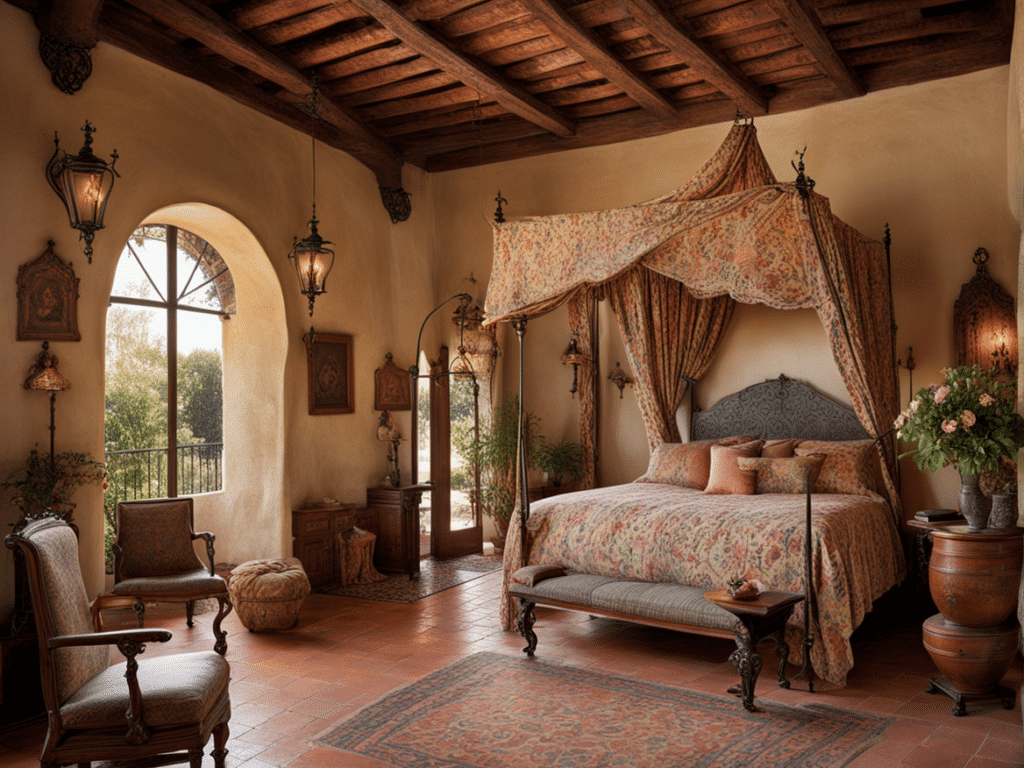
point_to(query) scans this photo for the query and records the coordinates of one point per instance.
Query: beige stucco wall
(930, 160)
(243, 182)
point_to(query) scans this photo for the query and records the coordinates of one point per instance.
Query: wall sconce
(910, 365)
(574, 357)
(499, 215)
(619, 378)
(985, 322)
(43, 376)
(83, 183)
(311, 259)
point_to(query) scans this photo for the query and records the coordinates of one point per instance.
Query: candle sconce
(619, 378)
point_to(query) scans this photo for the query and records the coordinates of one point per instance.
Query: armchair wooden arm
(209, 538)
(113, 637)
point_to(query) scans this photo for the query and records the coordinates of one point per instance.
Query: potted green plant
(496, 454)
(562, 460)
(49, 482)
(968, 421)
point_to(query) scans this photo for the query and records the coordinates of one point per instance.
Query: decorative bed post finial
(499, 215)
(803, 182)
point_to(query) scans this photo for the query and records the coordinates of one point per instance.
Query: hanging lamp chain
(314, 111)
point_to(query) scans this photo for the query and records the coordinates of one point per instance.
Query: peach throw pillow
(725, 475)
(686, 464)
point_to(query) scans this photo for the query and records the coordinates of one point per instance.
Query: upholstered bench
(671, 606)
(267, 594)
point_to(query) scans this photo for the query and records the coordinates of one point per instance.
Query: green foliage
(562, 459)
(43, 484)
(201, 395)
(969, 420)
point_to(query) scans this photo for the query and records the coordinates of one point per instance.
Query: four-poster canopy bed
(672, 269)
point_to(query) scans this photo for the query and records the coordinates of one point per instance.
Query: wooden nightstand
(761, 618)
(317, 532)
(398, 526)
(923, 544)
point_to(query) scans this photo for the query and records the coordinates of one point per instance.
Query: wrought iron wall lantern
(312, 261)
(619, 378)
(83, 183)
(574, 357)
(985, 322)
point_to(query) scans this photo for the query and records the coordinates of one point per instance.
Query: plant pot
(975, 506)
(973, 659)
(501, 534)
(1003, 516)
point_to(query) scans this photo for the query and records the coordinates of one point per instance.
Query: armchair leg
(195, 758)
(223, 609)
(140, 610)
(220, 738)
(190, 608)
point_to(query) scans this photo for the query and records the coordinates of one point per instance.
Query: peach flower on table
(968, 419)
(940, 395)
(986, 399)
(949, 426)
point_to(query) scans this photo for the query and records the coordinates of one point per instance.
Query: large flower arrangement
(969, 420)
(43, 484)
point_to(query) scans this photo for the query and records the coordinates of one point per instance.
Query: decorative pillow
(782, 475)
(725, 475)
(687, 464)
(778, 449)
(846, 468)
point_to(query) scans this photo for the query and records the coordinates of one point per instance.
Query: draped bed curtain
(679, 262)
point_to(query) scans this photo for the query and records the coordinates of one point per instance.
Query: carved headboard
(775, 410)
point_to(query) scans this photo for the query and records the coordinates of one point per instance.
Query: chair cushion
(176, 689)
(198, 581)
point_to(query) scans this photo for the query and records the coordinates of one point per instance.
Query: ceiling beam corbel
(478, 76)
(68, 33)
(590, 46)
(747, 97)
(200, 23)
(805, 26)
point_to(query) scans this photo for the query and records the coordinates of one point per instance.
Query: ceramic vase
(975, 506)
(1003, 516)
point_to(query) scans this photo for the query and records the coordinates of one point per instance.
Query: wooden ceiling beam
(297, 27)
(746, 96)
(199, 22)
(590, 46)
(480, 77)
(72, 21)
(804, 24)
(256, 13)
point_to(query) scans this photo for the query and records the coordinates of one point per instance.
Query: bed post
(895, 362)
(519, 325)
(809, 602)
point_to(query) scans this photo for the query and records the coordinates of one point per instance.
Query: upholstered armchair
(154, 560)
(137, 709)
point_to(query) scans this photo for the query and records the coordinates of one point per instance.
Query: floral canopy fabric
(731, 231)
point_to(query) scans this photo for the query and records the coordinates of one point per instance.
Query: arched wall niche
(248, 515)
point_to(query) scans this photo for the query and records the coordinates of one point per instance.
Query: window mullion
(172, 362)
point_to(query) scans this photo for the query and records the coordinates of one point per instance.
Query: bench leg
(524, 623)
(748, 661)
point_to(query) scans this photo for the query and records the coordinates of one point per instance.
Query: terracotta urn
(974, 578)
(972, 659)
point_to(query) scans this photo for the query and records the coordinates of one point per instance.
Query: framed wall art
(329, 356)
(47, 299)
(391, 388)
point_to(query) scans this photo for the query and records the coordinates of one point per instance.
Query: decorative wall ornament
(499, 215)
(985, 322)
(619, 378)
(574, 356)
(47, 299)
(70, 65)
(391, 387)
(396, 203)
(329, 358)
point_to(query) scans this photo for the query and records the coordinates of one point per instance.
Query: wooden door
(465, 536)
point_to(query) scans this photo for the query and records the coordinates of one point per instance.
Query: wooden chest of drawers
(317, 537)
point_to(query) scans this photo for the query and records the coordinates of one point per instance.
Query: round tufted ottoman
(267, 594)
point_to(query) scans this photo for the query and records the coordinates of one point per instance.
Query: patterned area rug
(435, 576)
(495, 711)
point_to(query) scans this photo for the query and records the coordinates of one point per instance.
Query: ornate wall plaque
(47, 299)
(391, 388)
(330, 373)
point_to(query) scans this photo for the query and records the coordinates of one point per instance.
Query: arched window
(164, 418)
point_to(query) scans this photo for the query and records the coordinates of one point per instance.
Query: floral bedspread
(667, 533)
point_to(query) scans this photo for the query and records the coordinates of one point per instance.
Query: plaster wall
(243, 182)
(929, 159)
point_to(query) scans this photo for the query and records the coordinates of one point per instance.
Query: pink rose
(940, 395)
(949, 426)
(968, 419)
(986, 399)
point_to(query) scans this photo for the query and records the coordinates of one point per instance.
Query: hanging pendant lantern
(83, 183)
(312, 261)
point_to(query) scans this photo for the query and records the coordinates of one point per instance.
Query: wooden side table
(923, 544)
(759, 619)
(318, 537)
(398, 531)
